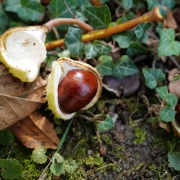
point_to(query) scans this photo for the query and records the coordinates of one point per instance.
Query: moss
(140, 135)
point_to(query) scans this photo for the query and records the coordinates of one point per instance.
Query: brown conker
(76, 90)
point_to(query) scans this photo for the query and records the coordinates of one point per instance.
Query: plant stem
(55, 22)
(150, 16)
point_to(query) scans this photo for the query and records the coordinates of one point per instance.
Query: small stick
(55, 22)
(150, 16)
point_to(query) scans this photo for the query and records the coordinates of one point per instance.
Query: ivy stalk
(153, 15)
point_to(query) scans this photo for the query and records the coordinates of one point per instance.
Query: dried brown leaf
(18, 99)
(36, 130)
(169, 21)
(164, 126)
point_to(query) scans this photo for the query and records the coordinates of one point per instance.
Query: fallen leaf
(164, 126)
(36, 130)
(18, 99)
(169, 21)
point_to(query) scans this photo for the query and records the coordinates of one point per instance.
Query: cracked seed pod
(72, 86)
(22, 51)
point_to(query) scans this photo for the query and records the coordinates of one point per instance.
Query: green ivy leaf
(58, 9)
(176, 78)
(6, 138)
(99, 17)
(10, 168)
(106, 65)
(26, 10)
(12, 6)
(167, 114)
(171, 100)
(39, 155)
(174, 160)
(167, 45)
(152, 3)
(125, 18)
(162, 92)
(127, 4)
(152, 77)
(135, 49)
(123, 39)
(4, 21)
(124, 67)
(73, 42)
(141, 29)
(106, 125)
(96, 49)
(169, 3)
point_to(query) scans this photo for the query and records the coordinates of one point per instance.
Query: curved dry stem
(153, 15)
(55, 22)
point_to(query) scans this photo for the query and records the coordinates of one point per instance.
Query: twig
(55, 22)
(150, 16)
(69, 9)
(174, 61)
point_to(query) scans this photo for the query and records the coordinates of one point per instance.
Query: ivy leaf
(127, 17)
(38, 155)
(135, 49)
(12, 6)
(123, 39)
(169, 3)
(58, 9)
(26, 10)
(167, 45)
(106, 125)
(10, 168)
(96, 49)
(152, 3)
(30, 10)
(152, 77)
(6, 138)
(141, 29)
(167, 114)
(99, 17)
(174, 160)
(73, 42)
(171, 100)
(127, 4)
(106, 65)
(124, 67)
(162, 92)
(4, 21)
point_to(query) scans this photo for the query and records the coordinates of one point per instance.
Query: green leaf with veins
(123, 39)
(167, 114)
(58, 158)
(169, 3)
(174, 160)
(162, 92)
(106, 65)
(126, 17)
(10, 168)
(171, 100)
(73, 42)
(99, 17)
(124, 67)
(57, 168)
(58, 9)
(152, 3)
(106, 125)
(39, 155)
(141, 29)
(12, 6)
(96, 49)
(127, 4)
(135, 49)
(152, 77)
(167, 44)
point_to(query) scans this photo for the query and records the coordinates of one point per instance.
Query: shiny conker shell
(76, 90)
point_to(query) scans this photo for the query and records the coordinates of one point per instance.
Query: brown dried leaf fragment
(36, 130)
(169, 21)
(18, 99)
